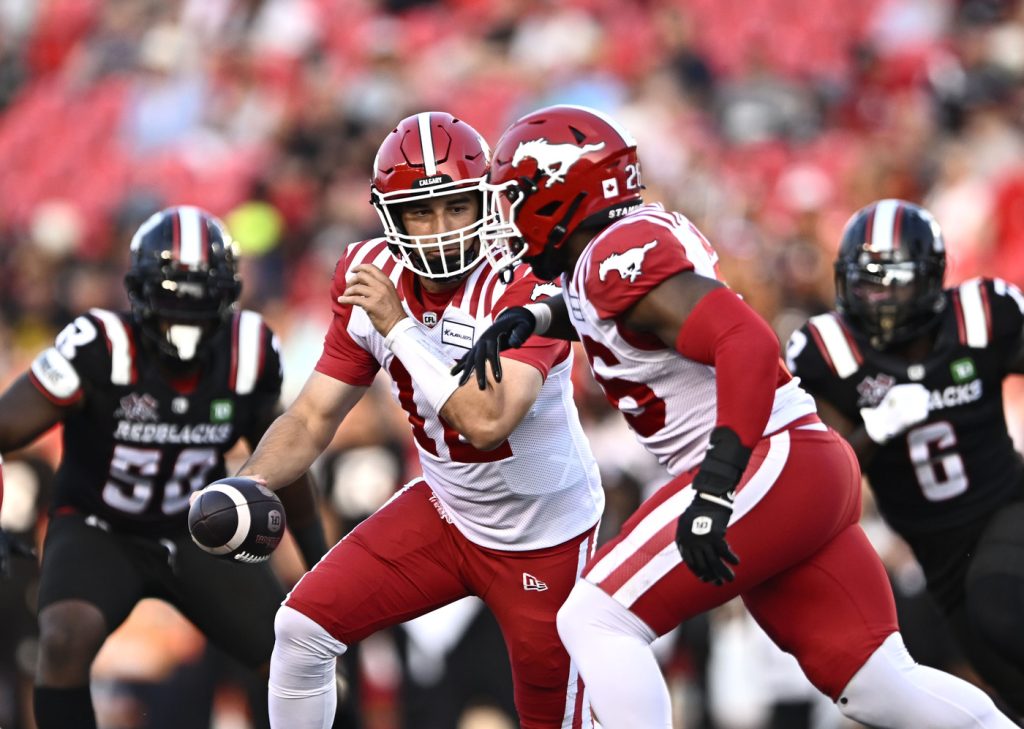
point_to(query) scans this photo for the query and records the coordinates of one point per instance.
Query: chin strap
(557, 235)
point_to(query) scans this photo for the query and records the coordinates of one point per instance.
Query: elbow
(487, 443)
(484, 434)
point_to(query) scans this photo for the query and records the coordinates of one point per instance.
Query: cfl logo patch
(701, 525)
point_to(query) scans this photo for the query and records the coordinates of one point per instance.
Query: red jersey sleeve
(343, 358)
(630, 260)
(540, 352)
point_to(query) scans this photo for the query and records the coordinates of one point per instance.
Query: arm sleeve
(343, 358)
(541, 353)
(722, 331)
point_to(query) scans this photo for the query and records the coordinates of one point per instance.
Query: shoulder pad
(365, 251)
(675, 234)
(973, 313)
(248, 351)
(120, 344)
(836, 345)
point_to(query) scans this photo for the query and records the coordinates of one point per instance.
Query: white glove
(902, 406)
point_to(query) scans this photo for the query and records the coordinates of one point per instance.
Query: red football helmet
(554, 171)
(426, 156)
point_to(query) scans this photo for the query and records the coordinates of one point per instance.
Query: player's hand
(255, 477)
(903, 406)
(11, 547)
(371, 290)
(700, 531)
(700, 536)
(509, 331)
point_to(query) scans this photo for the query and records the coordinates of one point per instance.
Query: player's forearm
(557, 325)
(862, 445)
(487, 417)
(724, 332)
(302, 506)
(478, 415)
(25, 414)
(854, 433)
(286, 451)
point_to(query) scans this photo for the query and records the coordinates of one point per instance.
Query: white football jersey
(668, 400)
(539, 488)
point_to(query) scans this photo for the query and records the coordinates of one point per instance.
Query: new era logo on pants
(532, 583)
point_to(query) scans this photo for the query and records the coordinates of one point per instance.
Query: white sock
(891, 691)
(303, 689)
(612, 649)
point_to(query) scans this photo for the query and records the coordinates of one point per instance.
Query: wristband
(723, 466)
(542, 313)
(427, 364)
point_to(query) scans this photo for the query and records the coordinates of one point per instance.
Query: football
(238, 519)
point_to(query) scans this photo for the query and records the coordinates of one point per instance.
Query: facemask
(185, 338)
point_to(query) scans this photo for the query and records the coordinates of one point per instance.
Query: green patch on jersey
(963, 370)
(221, 411)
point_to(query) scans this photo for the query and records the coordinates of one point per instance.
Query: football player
(510, 497)
(765, 499)
(9, 546)
(912, 375)
(150, 401)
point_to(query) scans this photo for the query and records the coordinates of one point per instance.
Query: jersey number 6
(943, 476)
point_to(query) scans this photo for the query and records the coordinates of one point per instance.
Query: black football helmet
(182, 281)
(889, 272)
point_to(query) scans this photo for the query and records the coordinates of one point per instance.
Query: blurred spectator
(258, 227)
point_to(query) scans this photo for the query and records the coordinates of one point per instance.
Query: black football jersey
(959, 464)
(135, 448)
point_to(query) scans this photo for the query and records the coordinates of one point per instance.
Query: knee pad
(589, 611)
(303, 662)
(71, 634)
(891, 691)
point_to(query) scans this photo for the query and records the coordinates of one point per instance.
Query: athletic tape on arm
(427, 364)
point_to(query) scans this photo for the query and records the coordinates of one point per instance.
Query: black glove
(700, 532)
(9, 546)
(509, 331)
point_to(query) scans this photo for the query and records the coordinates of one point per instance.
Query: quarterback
(510, 497)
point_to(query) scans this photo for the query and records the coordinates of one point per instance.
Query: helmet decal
(427, 145)
(554, 160)
(556, 170)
